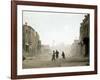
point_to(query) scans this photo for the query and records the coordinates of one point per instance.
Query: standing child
(53, 56)
(63, 55)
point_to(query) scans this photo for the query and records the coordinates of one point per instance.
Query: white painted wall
(5, 40)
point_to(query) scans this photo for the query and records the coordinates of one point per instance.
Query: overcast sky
(54, 28)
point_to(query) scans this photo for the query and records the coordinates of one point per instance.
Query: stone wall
(31, 41)
(84, 35)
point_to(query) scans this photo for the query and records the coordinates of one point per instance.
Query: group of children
(55, 55)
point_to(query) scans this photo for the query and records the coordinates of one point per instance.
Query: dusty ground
(44, 60)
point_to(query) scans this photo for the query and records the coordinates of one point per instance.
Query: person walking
(57, 54)
(63, 55)
(53, 56)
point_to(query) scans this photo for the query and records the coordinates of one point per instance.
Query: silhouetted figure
(23, 58)
(53, 56)
(57, 54)
(86, 43)
(63, 55)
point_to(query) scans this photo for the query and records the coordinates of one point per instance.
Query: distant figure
(63, 55)
(53, 56)
(57, 54)
(23, 58)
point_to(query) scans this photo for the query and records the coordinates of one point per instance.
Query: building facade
(84, 35)
(31, 41)
(76, 48)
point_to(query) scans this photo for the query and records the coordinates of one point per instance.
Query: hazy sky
(54, 28)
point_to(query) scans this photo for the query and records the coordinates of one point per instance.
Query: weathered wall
(31, 41)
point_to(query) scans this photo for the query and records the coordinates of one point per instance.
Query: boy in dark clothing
(53, 56)
(63, 55)
(57, 54)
